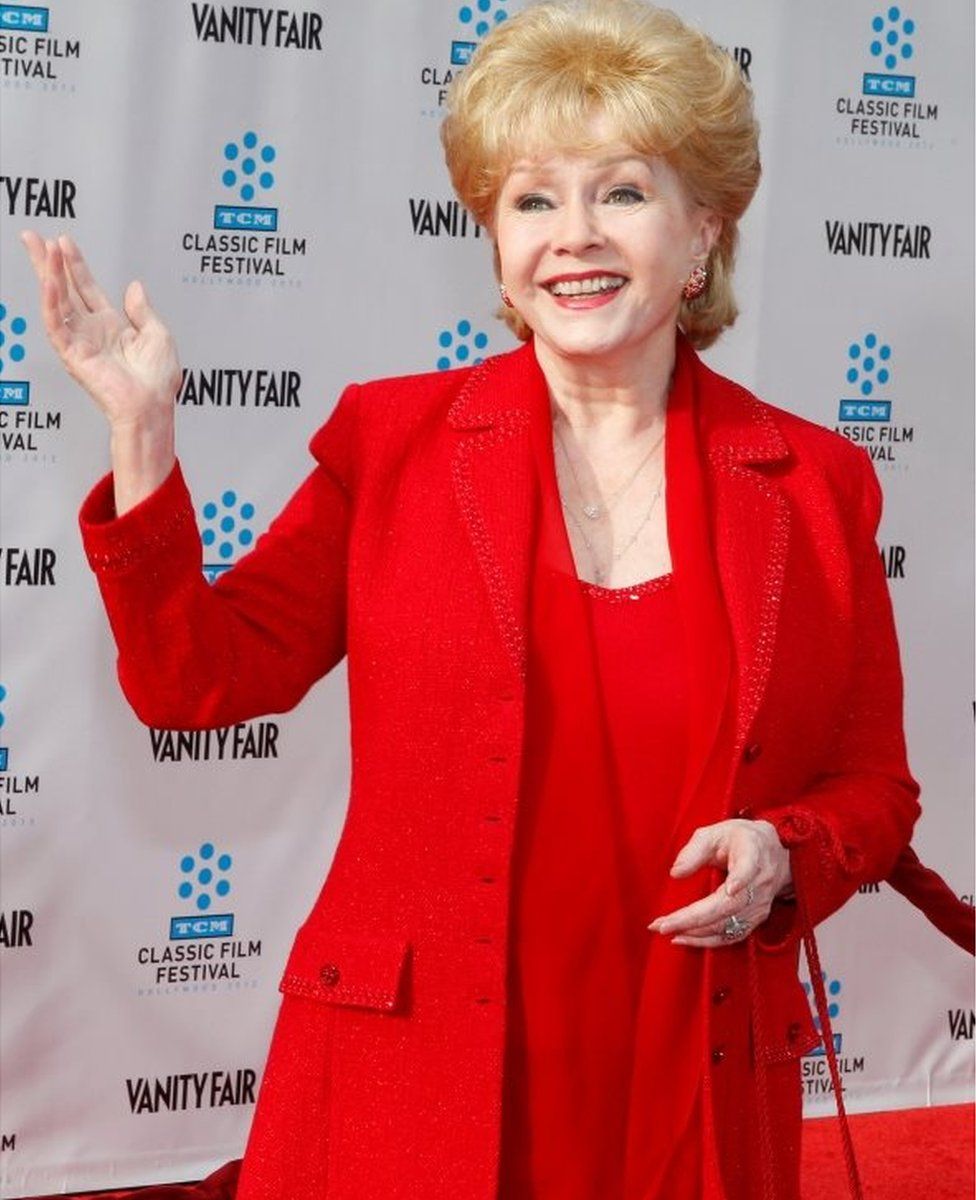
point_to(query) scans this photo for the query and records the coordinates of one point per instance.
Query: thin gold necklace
(598, 570)
(590, 509)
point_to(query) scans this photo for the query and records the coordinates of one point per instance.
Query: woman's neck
(609, 400)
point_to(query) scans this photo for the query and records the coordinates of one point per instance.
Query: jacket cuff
(161, 521)
(799, 827)
(826, 871)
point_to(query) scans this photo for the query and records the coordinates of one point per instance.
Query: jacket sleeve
(850, 826)
(193, 655)
(933, 897)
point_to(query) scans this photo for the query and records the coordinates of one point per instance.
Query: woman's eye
(625, 195)
(532, 203)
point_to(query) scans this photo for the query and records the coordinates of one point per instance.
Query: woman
(624, 684)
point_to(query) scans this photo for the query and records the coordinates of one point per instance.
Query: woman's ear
(496, 258)
(707, 235)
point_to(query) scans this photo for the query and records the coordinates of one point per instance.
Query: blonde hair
(536, 80)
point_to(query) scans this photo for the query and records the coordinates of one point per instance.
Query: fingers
(39, 253)
(697, 852)
(707, 942)
(708, 924)
(137, 307)
(36, 251)
(709, 911)
(56, 309)
(67, 286)
(63, 310)
(81, 277)
(743, 864)
(748, 852)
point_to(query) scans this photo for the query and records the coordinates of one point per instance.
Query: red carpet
(918, 1154)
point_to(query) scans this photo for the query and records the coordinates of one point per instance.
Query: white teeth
(587, 287)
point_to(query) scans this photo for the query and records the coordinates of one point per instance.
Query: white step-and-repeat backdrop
(274, 176)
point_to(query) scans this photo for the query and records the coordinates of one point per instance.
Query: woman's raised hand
(125, 360)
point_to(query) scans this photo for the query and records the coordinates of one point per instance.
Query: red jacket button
(718, 1054)
(752, 752)
(794, 1031)
(329, 974)
(720, 995)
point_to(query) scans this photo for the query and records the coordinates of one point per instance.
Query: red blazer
(408, 549)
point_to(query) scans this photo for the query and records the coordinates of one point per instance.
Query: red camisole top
(597, 1103)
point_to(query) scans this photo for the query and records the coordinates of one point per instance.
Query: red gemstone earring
(696, 283)
(504, 293)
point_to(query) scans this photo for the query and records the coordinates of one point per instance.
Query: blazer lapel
(495, 483)
(750, 526)
(497, 492)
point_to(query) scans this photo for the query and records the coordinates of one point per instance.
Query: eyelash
(529, 202)
(636, 196)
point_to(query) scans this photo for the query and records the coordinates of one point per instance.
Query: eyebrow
(526, 167)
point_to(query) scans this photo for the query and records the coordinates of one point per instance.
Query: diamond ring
(734, 929)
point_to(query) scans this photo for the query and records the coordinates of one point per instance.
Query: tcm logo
(12, 354)
(203, 879)
(868, 369)
(246, 174)
(460, 346)
(892, 47)
(226, 529)
(833, 990)
(477, 19)
(23, 16)
(4, 756)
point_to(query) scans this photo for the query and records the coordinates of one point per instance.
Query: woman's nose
(577, 228)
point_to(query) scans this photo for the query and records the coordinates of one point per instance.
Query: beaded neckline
(632, 591)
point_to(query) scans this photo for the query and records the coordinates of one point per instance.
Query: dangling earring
(504, 294)
(696, 283)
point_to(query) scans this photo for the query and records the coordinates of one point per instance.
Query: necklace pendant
(592, 511)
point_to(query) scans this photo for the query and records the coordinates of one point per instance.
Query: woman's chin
(591, 345)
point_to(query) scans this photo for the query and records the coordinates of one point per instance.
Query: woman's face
(595, 249)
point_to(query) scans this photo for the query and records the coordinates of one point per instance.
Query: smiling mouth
(593, 285)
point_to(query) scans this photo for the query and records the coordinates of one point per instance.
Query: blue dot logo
(3, 696)
(460, 346)
(832, 987)
(868, 364)
(247, 166)
(204, 877)
(479, 16)
(12, 331)
(891, 38)
(227, 526)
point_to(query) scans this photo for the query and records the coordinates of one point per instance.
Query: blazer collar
(495, 487)
(735, 427)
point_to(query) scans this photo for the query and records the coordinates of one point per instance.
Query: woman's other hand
(126, 361)
(758, 870)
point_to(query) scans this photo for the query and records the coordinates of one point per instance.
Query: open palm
(125, 360)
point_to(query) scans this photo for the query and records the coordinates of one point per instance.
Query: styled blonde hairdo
(668, 90)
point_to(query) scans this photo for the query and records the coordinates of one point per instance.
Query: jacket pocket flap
(788, 1039)
(785, 1030)
(343, 968)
